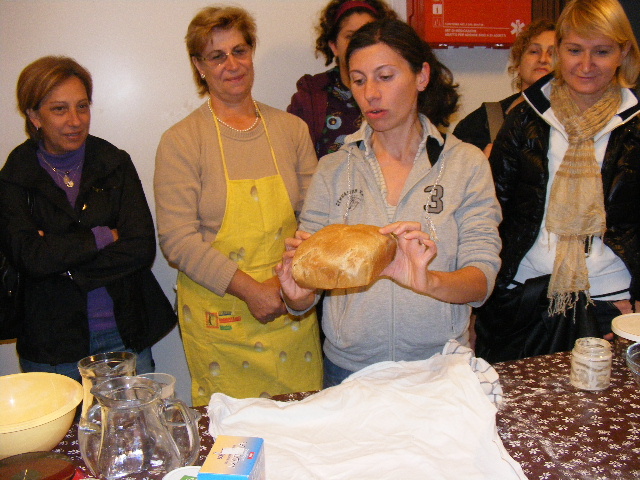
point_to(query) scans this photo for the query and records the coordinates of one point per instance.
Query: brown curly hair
(523, 40)
(329, 26)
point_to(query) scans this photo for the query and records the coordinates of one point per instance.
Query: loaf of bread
(342, 256)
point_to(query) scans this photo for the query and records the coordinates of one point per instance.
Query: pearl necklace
(64, 176)
(234, 128)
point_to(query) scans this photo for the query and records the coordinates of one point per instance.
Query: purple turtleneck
(70, 163)
(99, 302)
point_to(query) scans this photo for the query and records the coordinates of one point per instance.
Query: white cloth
(487, 375)
(410, 420)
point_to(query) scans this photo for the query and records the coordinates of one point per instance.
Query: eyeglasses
(218, 57)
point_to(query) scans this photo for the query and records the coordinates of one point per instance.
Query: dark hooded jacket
(61, 266)
(521, 174)
(514, 322)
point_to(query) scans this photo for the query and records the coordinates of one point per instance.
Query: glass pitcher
(182, 432)
(135, 437)
(95, 369)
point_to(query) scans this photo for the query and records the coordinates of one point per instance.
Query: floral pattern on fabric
(554, 430)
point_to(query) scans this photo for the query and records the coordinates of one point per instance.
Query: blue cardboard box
(234, 458)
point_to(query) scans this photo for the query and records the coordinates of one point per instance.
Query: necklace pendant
(67, 181)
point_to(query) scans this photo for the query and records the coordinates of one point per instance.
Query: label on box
(232, 458)
(445, 23)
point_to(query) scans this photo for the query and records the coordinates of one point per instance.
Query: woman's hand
(262, 298)
(410, 268)
(487, 150)
(625, 306)
(413, 255)
(267, 305)
(297, 297)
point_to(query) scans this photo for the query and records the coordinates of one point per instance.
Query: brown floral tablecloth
(554, 430)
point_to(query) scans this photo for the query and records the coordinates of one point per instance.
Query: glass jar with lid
(591, 364)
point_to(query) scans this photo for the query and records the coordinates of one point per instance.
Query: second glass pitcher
(134, 435)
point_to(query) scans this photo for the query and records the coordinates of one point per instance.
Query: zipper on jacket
(392, 325)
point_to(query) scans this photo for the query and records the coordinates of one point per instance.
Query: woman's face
(227, 63)
(63, 117)
(536, 60)
(588, 66)
(385, 87)
(348, 26)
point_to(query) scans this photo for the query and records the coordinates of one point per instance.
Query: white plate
(182, 472)
(627, 326)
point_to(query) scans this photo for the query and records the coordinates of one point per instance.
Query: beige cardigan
(190, 188)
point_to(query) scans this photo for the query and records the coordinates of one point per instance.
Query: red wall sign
(468, 23)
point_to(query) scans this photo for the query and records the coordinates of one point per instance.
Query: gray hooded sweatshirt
(455, 202)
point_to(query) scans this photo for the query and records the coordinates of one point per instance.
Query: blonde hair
(205, 22)
(604, 17)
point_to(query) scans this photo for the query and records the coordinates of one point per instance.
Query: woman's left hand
(625, 306)
(272, 305)
(413, 255)
(264, 302)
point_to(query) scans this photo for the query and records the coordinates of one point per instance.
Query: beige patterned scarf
(576, 205)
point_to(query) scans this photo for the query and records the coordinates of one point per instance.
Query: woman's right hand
(295, 296)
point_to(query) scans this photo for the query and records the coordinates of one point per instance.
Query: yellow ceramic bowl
(36, 411)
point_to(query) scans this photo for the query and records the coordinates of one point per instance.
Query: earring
(202, 75)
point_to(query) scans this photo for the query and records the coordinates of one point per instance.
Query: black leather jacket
(60, 267)
(520, 169)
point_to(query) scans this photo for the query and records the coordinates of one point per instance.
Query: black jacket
(60, 267)
(520, 169)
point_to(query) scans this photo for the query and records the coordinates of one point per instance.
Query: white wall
(142, 82)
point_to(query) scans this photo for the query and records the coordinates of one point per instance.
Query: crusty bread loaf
(342, 256)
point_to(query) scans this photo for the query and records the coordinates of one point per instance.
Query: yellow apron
(227, 349)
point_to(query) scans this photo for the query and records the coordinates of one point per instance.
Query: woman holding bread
(229, 179)
(434, 193)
